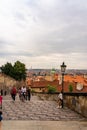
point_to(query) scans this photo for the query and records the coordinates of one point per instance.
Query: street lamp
(63, 69)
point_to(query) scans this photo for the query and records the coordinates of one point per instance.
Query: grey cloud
(31, 3)
(3, 43)
(2, 54)
(69, 40)
(20, 16)
(60, 28)
(64, 11)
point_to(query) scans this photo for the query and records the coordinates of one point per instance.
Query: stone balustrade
(74, 101)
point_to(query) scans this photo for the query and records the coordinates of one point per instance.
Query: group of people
(24, 93)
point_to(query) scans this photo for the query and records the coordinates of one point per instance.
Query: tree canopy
(17, 71)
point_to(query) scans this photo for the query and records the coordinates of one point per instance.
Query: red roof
(68, 79)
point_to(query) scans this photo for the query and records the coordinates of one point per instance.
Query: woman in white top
(60, 100)
(23, 90)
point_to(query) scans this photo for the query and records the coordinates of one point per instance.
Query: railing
(74, 101)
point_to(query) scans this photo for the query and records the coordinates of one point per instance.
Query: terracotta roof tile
(68, 79)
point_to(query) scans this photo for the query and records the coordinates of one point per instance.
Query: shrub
(33, 91)
(51, 89)
(70, 88)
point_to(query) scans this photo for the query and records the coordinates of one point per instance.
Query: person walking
(23, 90)
(20, 93)
(1, 92)
(1, 101)
(13, 93)
(28, 93)
(60, 100)
(1, 120)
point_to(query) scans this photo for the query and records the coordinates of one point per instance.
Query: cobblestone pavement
(36, 110)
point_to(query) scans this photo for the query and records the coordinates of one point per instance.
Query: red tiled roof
(68, 79)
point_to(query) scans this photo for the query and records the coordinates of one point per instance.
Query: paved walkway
(44, 125)
(36, 110)
(39, 115)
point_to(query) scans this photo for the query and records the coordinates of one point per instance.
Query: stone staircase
(36, 109)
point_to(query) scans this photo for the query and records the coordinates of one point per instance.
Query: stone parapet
(76, 102)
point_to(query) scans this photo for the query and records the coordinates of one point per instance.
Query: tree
(7, 69)
(17, 71)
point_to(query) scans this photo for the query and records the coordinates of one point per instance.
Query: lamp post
(63, 69)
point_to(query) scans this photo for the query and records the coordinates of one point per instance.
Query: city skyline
(44, 33)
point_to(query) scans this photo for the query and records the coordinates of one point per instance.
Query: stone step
(36, 110)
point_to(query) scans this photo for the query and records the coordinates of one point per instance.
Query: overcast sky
(44, 33)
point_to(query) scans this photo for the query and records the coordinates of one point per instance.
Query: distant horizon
(54, 68)
(58, 67)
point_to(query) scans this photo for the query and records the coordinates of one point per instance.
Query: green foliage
(7, 68)
(17, 71)
(33, 91)
(70, 88)
(51, 89)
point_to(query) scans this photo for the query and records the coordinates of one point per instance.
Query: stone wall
(7, 82)
(75, 102)
(49, 97)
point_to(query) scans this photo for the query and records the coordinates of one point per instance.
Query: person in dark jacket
(1, 92)
(28, 93)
